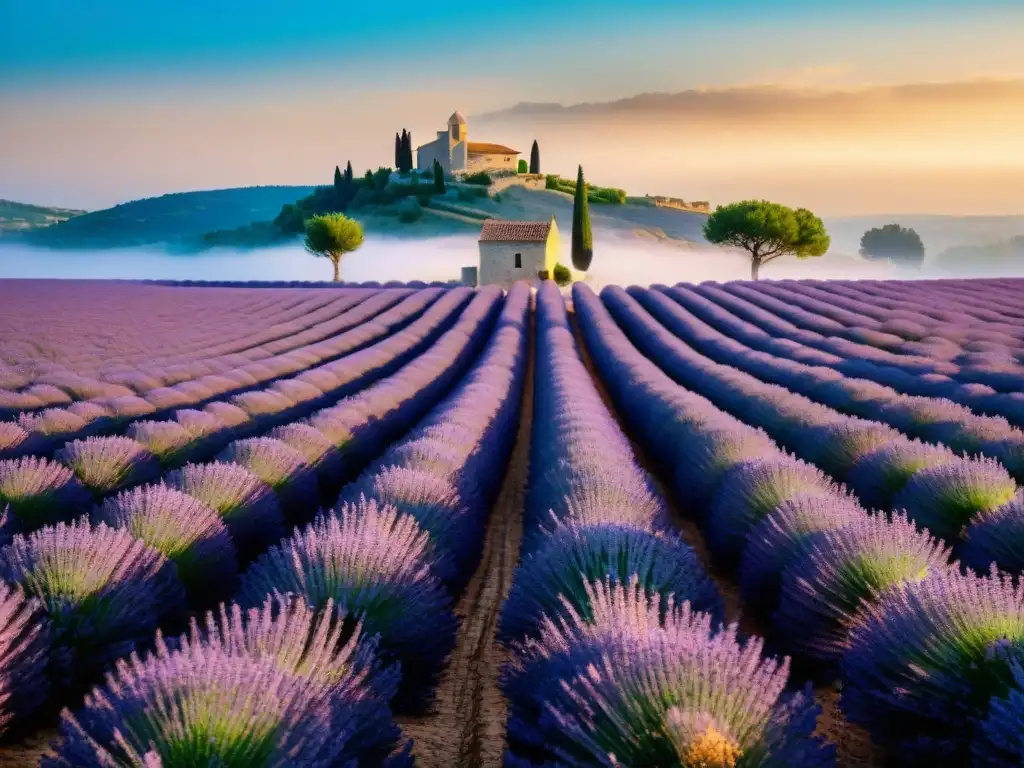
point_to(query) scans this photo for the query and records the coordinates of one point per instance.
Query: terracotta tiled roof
(501, 231)
(483, 148)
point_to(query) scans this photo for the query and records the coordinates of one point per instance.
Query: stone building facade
(517, 250)
(457, 154)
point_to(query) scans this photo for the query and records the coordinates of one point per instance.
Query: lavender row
(97, 467)
(53, 427)
(860, 344)
(939, 491)
(980, 399)
(930, 420)
(193, 535)
(105, 414)
(866, 594)
(231, 337)
(618, 657)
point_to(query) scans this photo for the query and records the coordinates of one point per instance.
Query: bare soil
(466, 728)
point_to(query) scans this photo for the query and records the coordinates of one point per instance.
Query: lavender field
(711, 526)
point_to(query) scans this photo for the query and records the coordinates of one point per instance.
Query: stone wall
(528, 180)
(683, 205)
(476, 163)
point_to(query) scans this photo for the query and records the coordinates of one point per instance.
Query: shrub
(562, 275)
(282, 468)
(469, 195)
(24, 652)
(167, 440)
(544, 274)
(105, 464)
(249, 507)
(103, 591)
(39, 492)
(481, 178)
(188, 532)
(878, 476)
(374, 564)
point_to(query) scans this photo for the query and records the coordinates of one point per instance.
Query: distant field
(535, 502)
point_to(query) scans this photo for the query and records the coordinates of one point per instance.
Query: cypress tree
(582, 239)
(348, 172)
(535, 158)
(398, 150)
(439, 186)
(339, 180)
(408, 151)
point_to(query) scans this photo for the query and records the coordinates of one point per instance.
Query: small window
(519, 261)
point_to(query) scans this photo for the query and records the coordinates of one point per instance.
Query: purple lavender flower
(188, 532)
(282, 468)
(24, 649)
(629, 687)
(773, 542)
(102, 588)
(574, 556)
(946, 498)
(924, 661)
(249, 507)
(227, 414)
(38, 491)
(319, 452)
(260, 404)
(373, 562)
(711, 454)
(752, 490)
(52, 422)
(1000, 735)
(48, 394)
(838, 447)
(130, 406)
(835, 573)
(883, 473)
(13, 438)
(198, 423)
(996, 536)
(297, 391)
(105, 464)
(167, 440)
(163, 398)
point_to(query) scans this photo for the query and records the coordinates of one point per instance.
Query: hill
(16, 217)
(178, 219)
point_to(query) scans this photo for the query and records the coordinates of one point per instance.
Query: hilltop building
(456, 153)
(517, 250)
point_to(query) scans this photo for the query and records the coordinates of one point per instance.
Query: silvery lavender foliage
(996, 536)
(839, 571)
(248, 506)
(38, 491)
(54, 423)
(999, 739)
(927, 658)
(169, 441)
(878, 476)
(198, 424)
(24, 650)
(282, 468)
(14, 440)
(319, 452)
(375, 564)
(837, 448)
(946, 498)
(106, 464)
(103, 590)
(188, 532)
(752, 490)
(640, 684)
(711, 455)
(772, 543)
(575, 556)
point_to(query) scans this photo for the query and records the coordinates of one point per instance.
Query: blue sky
(106, 100)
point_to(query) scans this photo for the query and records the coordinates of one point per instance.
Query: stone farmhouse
(457, 154)
(517, 250)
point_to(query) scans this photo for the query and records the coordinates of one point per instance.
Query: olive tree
(331, 236)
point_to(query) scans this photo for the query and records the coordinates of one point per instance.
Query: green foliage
(439, 186)
(16, 217)
(599, 195)
(348, 172)
(563, 275)
(398, 150)
(535, 158)
(470, 194)
(522, 167)
(255, 235)
(410, 211)
(544, 275)
(481, 178)
(582, 237)
(339, 180)
(381, 177)
(893, 243)
(767, 231)
(331, 236)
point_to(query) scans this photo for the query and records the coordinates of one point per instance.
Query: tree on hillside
(893, 243)
(404, 162)
(767, 231)
(348, 172)
(521, 166)
(439, 186)
(398, 149)
(339, 180)
(535, 158)
(582, 238)
(331, 236)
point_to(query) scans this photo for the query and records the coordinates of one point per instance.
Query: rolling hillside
(15, 217)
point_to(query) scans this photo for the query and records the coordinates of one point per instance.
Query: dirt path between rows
(467, 727)
(853, 747)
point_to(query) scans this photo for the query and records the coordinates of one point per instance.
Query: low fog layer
(619, 258)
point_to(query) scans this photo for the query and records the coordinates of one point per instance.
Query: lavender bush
(24, 651)
(107, 464)
(38, 492)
